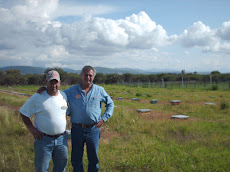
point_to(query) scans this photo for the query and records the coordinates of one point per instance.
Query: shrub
(148, 95)
(214, 87)
(138, 94)
(224, 105)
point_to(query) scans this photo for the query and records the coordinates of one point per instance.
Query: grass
(131, 141)
(12, 100)
(16, 154)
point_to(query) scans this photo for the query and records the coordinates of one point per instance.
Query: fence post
(182, 82)
(211, 79)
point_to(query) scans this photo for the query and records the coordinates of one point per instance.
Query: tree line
(14, 77)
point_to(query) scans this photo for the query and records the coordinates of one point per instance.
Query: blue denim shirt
(86, 109)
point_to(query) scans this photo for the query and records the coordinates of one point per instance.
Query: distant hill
(130, 70)
(25, 69)
(104, 70)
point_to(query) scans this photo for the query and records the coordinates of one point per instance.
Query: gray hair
(87, 68)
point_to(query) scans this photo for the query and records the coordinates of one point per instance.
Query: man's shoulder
(72, 90)
(98, 89)
(62, 93)
(73, 87)
(36, 97)
(98, 86)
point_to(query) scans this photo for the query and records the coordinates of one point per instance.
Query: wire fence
(184, 85)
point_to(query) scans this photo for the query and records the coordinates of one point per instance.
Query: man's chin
(88, 83)
(54, 91)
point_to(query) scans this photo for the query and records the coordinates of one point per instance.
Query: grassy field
(132, 141)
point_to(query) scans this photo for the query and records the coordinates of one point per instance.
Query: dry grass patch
(154, 115)
(107, 135)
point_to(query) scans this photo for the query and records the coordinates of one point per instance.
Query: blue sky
(193, 35)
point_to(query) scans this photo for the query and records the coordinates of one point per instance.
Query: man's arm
(34, 131)
(109, 104)
(41, 89)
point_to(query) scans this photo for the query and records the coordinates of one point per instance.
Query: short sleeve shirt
(49, 112)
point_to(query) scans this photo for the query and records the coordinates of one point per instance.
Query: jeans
(79, 137)
(48, 147)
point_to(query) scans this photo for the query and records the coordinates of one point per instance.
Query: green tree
(113, 78)
(35, 79)
(216, 72)
(1, 77)
(152, 78)
(14, 77)
(128, 77)
(72, 79)
(99, 78)
(182, 72)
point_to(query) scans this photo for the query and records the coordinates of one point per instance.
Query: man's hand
(36, 133)
(41, 89)
(100, 123)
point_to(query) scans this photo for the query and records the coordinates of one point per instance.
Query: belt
(84, 126)
(53, 136)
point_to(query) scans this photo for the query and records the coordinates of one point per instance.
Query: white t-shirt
(49, 112)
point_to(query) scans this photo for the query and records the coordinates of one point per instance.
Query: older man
(49, 109)
(85, 106)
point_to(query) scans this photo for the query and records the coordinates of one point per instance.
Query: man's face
(53, 86)
(87, 77)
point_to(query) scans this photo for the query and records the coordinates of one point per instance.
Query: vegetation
(132, 141)
(16, 148)
(14, 77)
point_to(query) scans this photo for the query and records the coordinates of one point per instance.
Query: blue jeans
(79, 137)
(48, 147)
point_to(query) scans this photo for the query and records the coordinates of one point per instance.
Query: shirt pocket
(95, 102)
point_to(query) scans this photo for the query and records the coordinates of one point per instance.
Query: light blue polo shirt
(86, 109)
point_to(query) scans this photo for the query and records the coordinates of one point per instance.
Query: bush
(214, 87)
(148, 95)
(138, 94)
(224, 105)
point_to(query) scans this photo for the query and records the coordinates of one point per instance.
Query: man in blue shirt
(85, 107)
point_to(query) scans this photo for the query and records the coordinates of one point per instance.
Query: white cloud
(143, 32)
(202, 36)
(42, 57)
(81, 10)
(219, 48)
(186, 52)
(224, 31)
(198, 35)
(30, 30)
(36, 10)
(105, 36)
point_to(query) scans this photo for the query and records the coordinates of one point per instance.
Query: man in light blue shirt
(85, 106)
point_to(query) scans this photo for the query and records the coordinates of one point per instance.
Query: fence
(177, 84)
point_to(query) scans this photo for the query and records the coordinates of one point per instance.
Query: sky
(190, 35)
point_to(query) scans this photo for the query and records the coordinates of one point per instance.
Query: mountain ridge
(104, 70)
